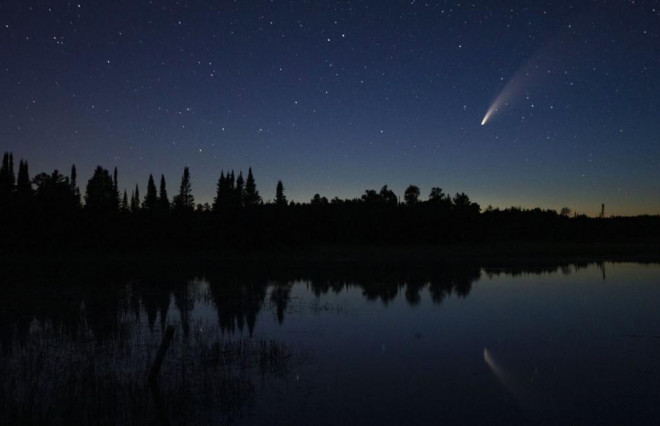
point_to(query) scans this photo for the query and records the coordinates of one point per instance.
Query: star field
(338, 97)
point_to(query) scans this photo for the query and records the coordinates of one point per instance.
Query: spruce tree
(74, 175)
(185, 200)
(115, 183)
(252, 197)
(280, 199)
(163, 201)
(135, 200)
(23, 187)
(12, 178)
(124, 203)
(6, 176)
(23, 184)
(239, 191)
(4, 171)
(151, 199)
(219, 192)
(231, 181)
(75, 191)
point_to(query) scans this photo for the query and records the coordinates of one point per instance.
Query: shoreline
(329, 254)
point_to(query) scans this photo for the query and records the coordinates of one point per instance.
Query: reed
(58, 377)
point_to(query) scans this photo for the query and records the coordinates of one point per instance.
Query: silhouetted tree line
(46, 212)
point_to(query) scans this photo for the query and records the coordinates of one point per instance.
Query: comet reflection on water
(508, 381)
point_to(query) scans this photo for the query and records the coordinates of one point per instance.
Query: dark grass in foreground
(59, 379)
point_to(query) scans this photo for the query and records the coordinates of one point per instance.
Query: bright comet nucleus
(511, 90)
(490, 112)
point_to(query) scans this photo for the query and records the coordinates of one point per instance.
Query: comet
(509, 93)
(535, 73)
(492, 110)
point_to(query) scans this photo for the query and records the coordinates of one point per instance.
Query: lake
(461, 343)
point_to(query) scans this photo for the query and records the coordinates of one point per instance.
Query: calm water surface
(452, 344)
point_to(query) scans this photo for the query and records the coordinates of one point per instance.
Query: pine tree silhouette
(252, 197)
(23, 184)
(11, 178)
(280, 199)
(231, 181)
(239, 191)
(163, 201)
(220, 192)
(74, 186)
(135, 200)
(185, 200)
(124, 203)
(6, 178)
(115, 183)
(151, 199)
(24, 193)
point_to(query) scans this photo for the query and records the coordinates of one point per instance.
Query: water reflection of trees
(105, 312)
(535, 268)
(237, 301)
(240, 295)
(76, 300)
(387, 282)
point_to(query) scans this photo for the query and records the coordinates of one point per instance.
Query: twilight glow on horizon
(545, 104)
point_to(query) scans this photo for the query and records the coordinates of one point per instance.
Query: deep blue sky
(339, 97)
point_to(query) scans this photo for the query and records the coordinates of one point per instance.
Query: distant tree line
(48, 212)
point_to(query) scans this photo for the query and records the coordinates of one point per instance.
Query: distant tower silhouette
(602, 211)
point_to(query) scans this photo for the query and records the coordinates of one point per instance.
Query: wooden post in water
(164, 345)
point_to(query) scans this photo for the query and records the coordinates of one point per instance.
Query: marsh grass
(59, 377)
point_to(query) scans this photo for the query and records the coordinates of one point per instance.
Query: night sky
(338, 97)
